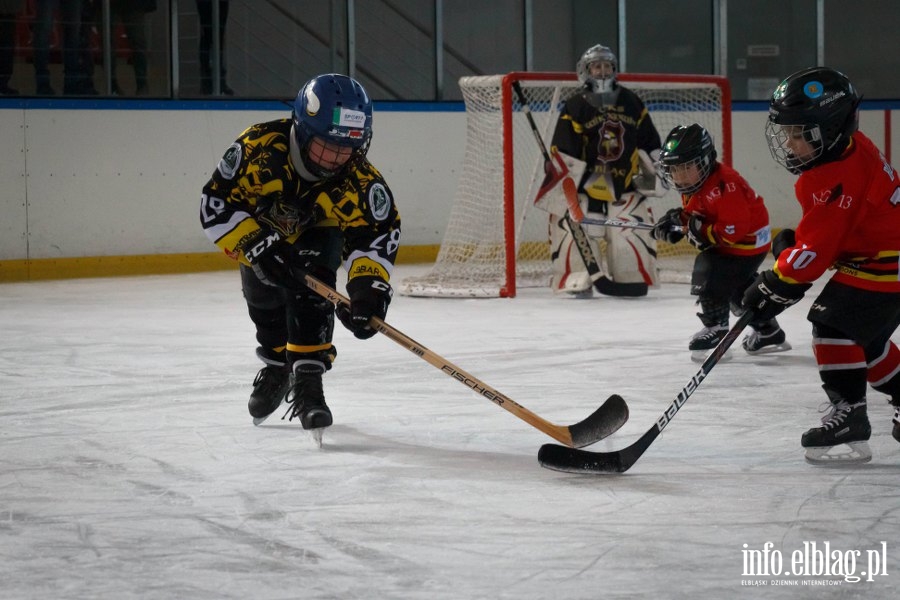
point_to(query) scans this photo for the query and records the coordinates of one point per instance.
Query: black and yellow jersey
(607, 137)
(256, 186)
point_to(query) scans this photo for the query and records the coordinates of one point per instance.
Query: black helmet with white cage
(819, 104)
(687, 145)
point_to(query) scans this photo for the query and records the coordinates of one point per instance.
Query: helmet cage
(779, 136)
(686, 147)
(595, 54)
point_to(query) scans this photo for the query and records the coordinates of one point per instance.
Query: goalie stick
(571, 460)
(603, 422)
(582, 242)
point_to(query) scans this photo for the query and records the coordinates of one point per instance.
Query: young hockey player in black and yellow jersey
(297, 196)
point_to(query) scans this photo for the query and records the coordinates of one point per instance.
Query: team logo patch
(312, 102)
(231, 161)
(813, 89)
(379, 202)
(610, 144)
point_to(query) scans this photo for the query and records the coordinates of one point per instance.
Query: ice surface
(129, 467)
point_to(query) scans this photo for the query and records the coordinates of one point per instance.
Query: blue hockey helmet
(337, 110)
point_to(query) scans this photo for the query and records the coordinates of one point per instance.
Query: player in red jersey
(728, 222)
(849, 196)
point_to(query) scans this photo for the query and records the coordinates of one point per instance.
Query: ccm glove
(785, 239)
(670, 227)
(272, 260)
(768, 296)
(369, 297)
(695, 234)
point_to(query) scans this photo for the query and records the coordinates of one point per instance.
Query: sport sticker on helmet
(379, 202)
(346, 117)
(230, 161)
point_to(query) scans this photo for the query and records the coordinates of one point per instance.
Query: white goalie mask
(597, 69)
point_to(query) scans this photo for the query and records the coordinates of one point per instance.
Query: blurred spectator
(8, 11)
(75, 80)
(205, 12)
(133, 16)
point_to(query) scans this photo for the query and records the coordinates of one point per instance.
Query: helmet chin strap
(297, 160)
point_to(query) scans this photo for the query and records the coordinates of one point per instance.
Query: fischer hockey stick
(603, 422)
(571, 460)
(582, 243)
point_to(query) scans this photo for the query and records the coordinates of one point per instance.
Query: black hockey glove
(669, 227)
(768, 296)
(784, 240)
(695, 234)
(273, 260)
(369, 297)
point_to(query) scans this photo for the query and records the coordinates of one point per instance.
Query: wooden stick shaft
(559, 433)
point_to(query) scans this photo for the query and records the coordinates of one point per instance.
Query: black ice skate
(765, 339)
(307, 398)
(269, 388)
(845, 425)
(705, 340)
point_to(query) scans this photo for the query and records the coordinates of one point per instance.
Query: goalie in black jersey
(298, 196)
(608, 141)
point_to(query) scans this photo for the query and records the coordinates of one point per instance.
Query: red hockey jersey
(850, 221)
(734, 216)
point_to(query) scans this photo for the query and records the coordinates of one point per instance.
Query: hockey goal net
(496, 240)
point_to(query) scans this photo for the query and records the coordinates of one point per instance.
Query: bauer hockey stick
(582, 243)
(603, 422)
(571, 460)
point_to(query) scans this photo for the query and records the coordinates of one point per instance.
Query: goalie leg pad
(631, 253)
(569, 272)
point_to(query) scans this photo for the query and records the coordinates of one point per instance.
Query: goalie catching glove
(273, 260)
(768, 296)
(369, 297)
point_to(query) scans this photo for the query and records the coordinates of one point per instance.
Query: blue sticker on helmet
(813, 89)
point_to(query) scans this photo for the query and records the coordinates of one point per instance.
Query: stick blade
(602, 423)
(573, 460)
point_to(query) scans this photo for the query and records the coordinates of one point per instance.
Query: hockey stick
(570, 460)
(582, 243)
(603, 422)
(623, 223)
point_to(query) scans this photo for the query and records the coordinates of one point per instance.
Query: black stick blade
(602, 423)
(573, 460)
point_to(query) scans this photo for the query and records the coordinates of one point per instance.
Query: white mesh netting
(503, 168)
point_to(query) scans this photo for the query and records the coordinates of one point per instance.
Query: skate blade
(260, 420)
(316, 435)
(851, 453)
(698, 356)
(770, 349)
